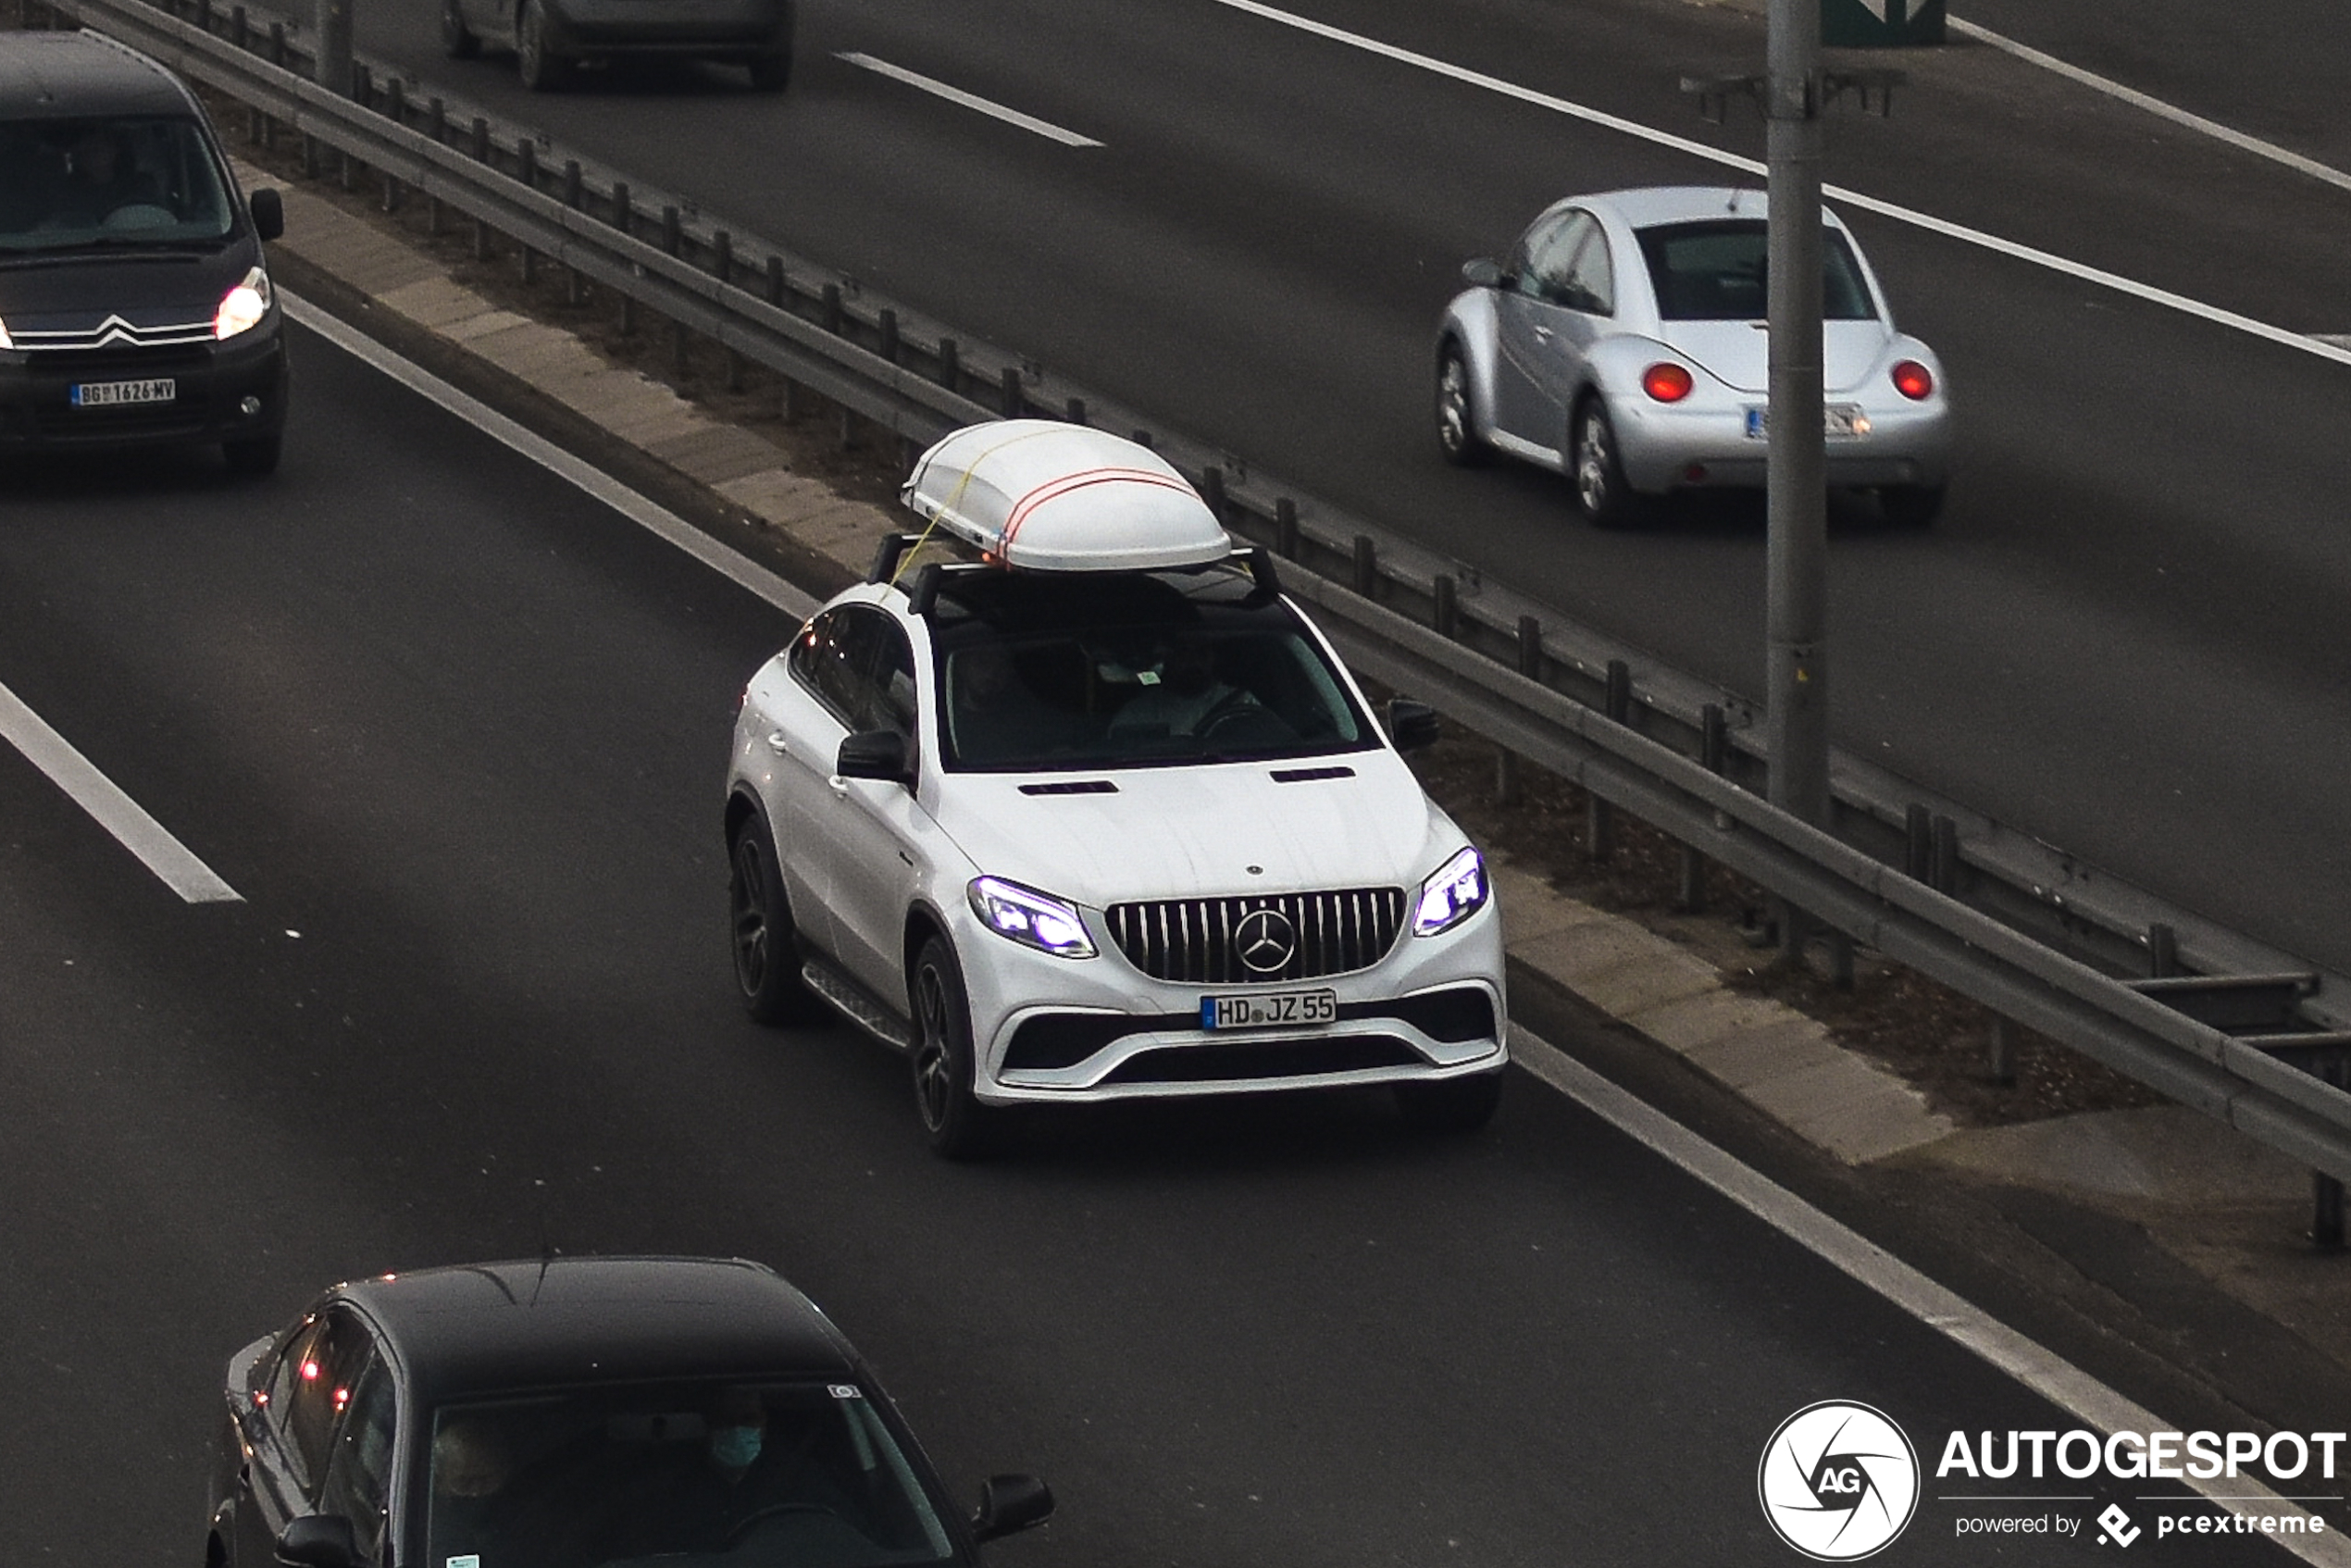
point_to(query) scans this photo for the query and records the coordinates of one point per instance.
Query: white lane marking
(2037, 1368)
(116, 812)
(968, 100)
(594, 481)
(2156, 106)
(1993, 242)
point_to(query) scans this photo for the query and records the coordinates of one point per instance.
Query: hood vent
(1308, 775)
(1076, 786)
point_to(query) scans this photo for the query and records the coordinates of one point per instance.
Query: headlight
(1031, 918)
(1457, 891)
(244, 306)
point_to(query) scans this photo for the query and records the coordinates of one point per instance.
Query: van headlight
(244, 306)
(1455, 891)
(1031, 918)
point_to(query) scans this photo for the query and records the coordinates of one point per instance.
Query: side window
(825, 659)
(892, 696)
(283, 1393)
(359, 1460)
(331, 1358)
(1591, 278)
(1541, 259)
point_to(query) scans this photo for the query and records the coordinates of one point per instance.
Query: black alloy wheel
(957, 1125)
(767, 957)
(1456, 422)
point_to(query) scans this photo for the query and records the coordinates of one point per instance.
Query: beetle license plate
(115, 394)
(1845, 419)
(1261, 1010)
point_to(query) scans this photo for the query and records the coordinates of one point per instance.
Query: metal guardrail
(1994, 913)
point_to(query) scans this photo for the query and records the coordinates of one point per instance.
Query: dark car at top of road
(135, 301)
(578, 1412)
(551, 38)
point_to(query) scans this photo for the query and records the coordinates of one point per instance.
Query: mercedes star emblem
(1265, 940)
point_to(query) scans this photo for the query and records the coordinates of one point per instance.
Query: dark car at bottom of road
(578, 1412)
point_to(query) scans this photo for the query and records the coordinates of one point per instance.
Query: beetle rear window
(1716, 271)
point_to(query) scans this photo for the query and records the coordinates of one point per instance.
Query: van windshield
(116, 183)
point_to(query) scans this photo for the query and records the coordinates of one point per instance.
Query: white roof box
(1046, 496)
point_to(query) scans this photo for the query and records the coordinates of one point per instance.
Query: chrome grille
(1192, 940)
(113, 333)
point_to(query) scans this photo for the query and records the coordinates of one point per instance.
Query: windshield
(70, 184)
(1715, 271)
(1134, 669)
(681, 1475)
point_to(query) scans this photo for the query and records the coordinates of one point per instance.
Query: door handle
(839, 785)
(777, 743)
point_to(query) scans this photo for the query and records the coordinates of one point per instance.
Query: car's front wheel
(1601, 492)
(542, 69)
(767, 956)
(954, 1121)
(457, 40)
(1456, 422)
(1450, 1105)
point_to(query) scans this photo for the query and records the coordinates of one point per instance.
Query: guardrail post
(832, 315)
(2163, 950)
(722, 256)
(1142, 437)
(1212, 491)
(1366, 581)
(1530, 664)
(1074, 411)
(527, 170)
(240, 30)
(673, 231)
(1917, 849)
(1999, 1049)
(624, 218)
(481, 155)
(1714, 754)
(331, 53)
(776, 286)
(889, 325)
(1446, 612)
(204, 16)
(1600, 818)
(1012, 399)
(950, 365)
(395, 110)
(276, 43)
(575, 280)
(1943, 865)
(1286, 529)
(310, 161)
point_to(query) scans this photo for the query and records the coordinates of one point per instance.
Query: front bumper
(1062, 1031)
(1666, 447)
(211, 383)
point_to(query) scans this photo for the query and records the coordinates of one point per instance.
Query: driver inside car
(1177, 692)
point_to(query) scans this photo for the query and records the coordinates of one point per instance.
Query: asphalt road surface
(454, 733)
(2124, 635)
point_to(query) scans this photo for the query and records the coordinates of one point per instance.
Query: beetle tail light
(1666, 382)
(1913, 381)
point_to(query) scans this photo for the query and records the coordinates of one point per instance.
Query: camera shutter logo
(1266, 942)
(1838, 1481)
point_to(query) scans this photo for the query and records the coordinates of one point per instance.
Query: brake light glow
(1666, 382)
(1913, 381)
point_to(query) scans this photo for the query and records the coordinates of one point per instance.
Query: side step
(858, 1005)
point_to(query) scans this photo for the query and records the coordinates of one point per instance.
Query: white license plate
(1843, 419)
(113, 394)
(1261, 1010)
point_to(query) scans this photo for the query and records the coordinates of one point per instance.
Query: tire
(771, 73)
(1910, 506)
(957, 1125)
(1456, 421)
(767, 957)
(254, 459)
(540, 70)
(457, 40)
(1601, 492)
(1454, 1106)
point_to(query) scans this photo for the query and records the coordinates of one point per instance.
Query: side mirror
(1410, 724)
(1482, 273)
(319, 1540)
(876, 754)
(1011, 1503)
(268, 214)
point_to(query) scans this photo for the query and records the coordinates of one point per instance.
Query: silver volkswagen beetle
(1622, 343)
